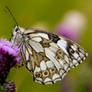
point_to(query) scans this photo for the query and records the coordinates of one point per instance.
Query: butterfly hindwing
(48, 56)
(45, 59)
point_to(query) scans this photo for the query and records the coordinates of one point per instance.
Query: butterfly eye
(16, 29)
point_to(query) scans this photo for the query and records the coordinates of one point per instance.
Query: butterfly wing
(73, 50)
(49, 57)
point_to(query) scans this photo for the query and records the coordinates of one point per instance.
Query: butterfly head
(17, 35)
(18, 30)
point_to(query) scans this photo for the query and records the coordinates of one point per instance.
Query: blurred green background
(49, 12)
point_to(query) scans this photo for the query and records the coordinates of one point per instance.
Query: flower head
(8, 58)
(72, 26)
(8, 87)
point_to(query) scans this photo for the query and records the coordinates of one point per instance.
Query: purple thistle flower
(72, 26)
(8, 87)
(8, 58)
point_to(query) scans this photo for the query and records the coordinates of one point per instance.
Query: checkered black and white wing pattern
(49, 57)
(73, 50)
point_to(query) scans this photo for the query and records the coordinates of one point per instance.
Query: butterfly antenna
(10, 13)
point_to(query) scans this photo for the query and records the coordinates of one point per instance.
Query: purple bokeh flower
(9, 57)
(72, 26)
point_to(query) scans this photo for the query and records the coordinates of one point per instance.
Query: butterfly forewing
(73, 50)
(48, 56)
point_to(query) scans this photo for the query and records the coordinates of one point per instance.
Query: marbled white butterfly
(48, 56)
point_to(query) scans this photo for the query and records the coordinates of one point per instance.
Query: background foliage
(49, 12)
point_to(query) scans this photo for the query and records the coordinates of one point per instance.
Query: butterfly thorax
(19, 37)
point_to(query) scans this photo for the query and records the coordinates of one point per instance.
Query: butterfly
(47, 56)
